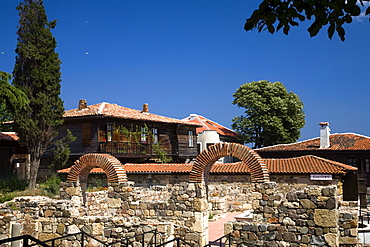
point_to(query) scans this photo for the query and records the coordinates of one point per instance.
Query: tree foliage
(272, 115)
(37, 74)
(5, 116)
(62, 150)
(10, 99)
(272, 15)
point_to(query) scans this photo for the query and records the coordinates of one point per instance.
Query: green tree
(62, 150)
(37, 74)
(272, 115)
(11, 98)
(5, 116)
(287, 13)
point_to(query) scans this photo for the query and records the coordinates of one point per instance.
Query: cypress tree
(37, 74)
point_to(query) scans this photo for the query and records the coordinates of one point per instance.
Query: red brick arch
(112, 167)
(249, 157)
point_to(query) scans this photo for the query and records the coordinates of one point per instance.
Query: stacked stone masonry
(284, 215)
(315, 216)
(120, 212)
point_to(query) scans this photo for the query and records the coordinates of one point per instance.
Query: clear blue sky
(190, 56)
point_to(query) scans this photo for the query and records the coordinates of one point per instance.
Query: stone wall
(235, 192)
(180, 210)
(315, 215)
(45, 219)
(284, 214)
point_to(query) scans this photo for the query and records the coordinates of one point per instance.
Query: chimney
(145, 108)
(82, 104)
(324, 135)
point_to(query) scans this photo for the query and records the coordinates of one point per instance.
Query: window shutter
(86, 134)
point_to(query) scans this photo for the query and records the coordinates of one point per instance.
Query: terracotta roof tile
(9, 136)
(160, 168)
(209, 125)
(344, 141)
(145, 168)
(307, 164)
(300, 165)
(114, 110)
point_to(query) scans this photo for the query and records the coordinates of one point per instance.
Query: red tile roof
(145, 168)
(344, 141)
(300, 165)
(9, 136)
(165, 168)
(114, 110)
(307, 164)
(210, 125)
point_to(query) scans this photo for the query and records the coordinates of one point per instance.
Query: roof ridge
(318, 137)
(118, 111)
(286, 144)
(352, 133)
(216, 122)
(101, 107)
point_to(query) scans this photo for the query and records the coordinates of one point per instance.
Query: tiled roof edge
(344, 166)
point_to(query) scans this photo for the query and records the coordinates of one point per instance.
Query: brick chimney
(145, 108)
(82, 104)
(324, 135)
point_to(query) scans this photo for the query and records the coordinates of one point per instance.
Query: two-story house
(128, 134)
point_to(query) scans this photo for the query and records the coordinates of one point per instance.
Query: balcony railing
(126, 148)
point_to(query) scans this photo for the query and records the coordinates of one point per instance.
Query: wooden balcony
(126, 149)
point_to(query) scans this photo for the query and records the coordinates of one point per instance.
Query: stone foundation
(313, 216)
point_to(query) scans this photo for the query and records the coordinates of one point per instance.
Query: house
(13, 157)
(348, 148)
(128, 134)
(210, 133)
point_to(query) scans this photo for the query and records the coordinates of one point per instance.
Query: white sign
(321, 177)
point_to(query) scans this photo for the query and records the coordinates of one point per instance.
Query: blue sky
(190, 56)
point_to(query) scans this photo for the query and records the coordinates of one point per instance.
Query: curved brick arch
(111, 166)
(249, 157)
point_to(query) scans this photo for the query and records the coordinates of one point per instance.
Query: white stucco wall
(211, 137)
(207, 136)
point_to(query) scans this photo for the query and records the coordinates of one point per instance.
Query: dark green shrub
(51, 187)
(12, 183)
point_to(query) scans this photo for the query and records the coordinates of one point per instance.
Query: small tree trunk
(34, 168)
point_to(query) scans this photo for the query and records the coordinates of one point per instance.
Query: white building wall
(207, 137)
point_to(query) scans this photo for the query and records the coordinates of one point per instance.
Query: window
(109, 132)
(199, 147)
(351, 161)
(155, 135)
(143, 135)
(367, 165)
(86, 134)
(191, 138)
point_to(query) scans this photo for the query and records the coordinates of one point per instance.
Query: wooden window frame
(191, 138)
(155, 135)
(109, 132)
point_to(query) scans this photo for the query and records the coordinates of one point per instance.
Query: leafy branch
(287, 13)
